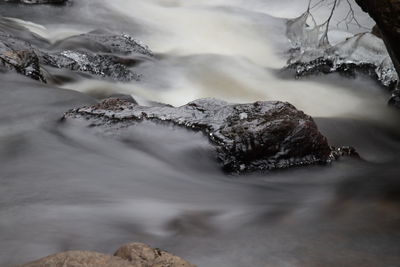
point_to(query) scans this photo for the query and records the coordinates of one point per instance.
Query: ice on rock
(311, 53)
(304, 33)
(299, 32)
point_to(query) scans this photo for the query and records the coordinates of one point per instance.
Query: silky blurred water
(64, 188)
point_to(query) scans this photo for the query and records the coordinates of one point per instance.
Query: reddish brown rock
(129, 255)
(80, 259)
(141, 255)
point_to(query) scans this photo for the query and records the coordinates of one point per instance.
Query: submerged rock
(20, 56)
(106, 66)
(101, 41)
(13, 27)
(130, 255)
(100, 53)
(247, 137)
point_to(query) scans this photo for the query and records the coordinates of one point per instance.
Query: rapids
(62, 188)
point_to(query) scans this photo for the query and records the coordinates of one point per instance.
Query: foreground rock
(142, 255)
(130, 255)
(247, 137)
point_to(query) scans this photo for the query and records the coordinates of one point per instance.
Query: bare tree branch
(349, 19)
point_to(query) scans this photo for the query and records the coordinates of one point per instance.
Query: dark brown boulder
(247, 137)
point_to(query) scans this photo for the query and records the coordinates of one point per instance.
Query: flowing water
(62, 188)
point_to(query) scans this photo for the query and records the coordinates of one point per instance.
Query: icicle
(304, 33)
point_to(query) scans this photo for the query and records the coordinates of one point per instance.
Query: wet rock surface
(129, 255)
(86, 62)
(20, 56)
(247, 137)
(99, 54)
(101, 41)
(344, 151)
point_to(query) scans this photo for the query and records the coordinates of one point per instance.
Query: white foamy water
(230, 50)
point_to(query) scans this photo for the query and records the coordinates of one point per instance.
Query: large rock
(247, 137)
(129, 255)
(80, 259)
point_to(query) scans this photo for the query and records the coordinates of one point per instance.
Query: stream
(63, 188)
